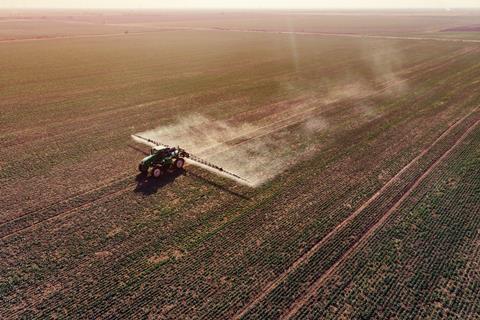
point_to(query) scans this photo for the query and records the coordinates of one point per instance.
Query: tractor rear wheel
(179, 163)
(157, 172)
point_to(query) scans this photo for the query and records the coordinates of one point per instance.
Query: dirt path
(327, 34)
(155, 29)
(80, 36)
(299, 303)
(306, 256)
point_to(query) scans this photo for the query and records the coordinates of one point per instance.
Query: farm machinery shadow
(203, 179)
(149, 185)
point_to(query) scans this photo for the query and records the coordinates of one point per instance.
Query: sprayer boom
(173, 157)
(152, 141)
(211, 165)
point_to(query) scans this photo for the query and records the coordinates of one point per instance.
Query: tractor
(164, 158)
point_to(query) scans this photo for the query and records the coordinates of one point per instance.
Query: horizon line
(242, 8)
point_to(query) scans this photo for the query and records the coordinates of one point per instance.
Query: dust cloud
(259, 152)
(256, 153)
(385, 64)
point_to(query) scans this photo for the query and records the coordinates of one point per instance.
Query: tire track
(63, 213)
(298, 304)
(72, 197)
(306, 256)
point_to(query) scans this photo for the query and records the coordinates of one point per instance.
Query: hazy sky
(239, 3)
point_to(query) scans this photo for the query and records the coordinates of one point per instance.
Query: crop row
(334, 248)
(422, 263)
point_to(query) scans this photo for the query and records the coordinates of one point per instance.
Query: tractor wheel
(179, 163)
(157, 172)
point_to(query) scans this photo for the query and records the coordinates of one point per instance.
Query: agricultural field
(361, 147)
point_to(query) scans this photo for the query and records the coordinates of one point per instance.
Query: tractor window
(163, 153)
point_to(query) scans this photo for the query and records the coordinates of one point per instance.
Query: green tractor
(164, 158)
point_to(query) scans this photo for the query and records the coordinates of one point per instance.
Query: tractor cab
(156, 150)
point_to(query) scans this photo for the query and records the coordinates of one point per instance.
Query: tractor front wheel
(179, 163)
(157, 172)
